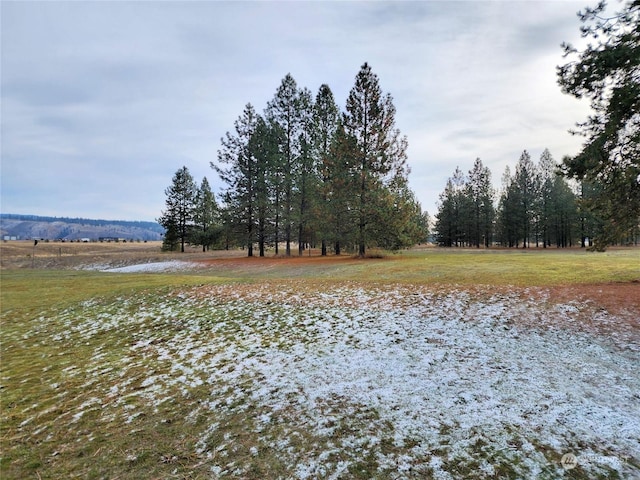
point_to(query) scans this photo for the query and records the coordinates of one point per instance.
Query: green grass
(31, 292)
(48, 371)
(37, 290)
(508, 267)
(471, 267)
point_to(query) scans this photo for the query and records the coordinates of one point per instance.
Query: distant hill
(60, 228)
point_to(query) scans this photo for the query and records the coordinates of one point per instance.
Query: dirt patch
(280, 261)
(611, 309)
(617, 298)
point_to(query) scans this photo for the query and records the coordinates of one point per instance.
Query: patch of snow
(169, 266)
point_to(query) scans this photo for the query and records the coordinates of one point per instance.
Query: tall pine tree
(326, 118)
(205, 217)
(607, 72)
(450, 219)
(240, 176)
(306, 179)
(480, 197)
(379, 155)
(177, 218)
(284, 111)
(525, 181)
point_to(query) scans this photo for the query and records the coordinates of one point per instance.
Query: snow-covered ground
(413, 381)
(150, 267)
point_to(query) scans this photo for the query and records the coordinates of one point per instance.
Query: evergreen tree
(590, 223)
(205, 217)
(306, 180)
(240, 176)
(508, 222)
(380, 153)
(340, 189)
(264, 148)
(525, 181)
(479, 194)
(326, 118)
(451, 212)
(284, 112)
(178, 216)
(171, 239)
(303, 169)
(558, 206)
(424, 223)
(607, 72)
(403, 221)
(563, 212)
(547, 172)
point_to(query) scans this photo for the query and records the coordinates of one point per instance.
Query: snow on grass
(363, 381)
(151, 267)
(148, 267)
(446, 374)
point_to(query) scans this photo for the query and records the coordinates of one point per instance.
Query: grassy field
(426, 364)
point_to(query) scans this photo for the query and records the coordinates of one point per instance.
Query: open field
(427, 364)
(60, 255)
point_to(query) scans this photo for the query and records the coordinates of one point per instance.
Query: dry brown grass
(65, 255)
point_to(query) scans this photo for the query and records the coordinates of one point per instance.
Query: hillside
(54, 228)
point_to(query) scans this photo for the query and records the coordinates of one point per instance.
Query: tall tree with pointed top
(205, 216)
(480, 203)
(547, 170)
(326, 117)
(284, 111)
(526, 182)
(452, 211)
(240, 175)
(380, 152)
(264, 148)
(177, 218)
(306, 173)
(508, 222)
(340, 188)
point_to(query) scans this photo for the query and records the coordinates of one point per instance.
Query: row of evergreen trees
(535, 205)
(304, 173)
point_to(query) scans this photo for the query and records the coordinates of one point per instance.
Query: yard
(430, 364)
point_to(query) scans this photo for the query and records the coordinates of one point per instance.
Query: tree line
(535, 205)
(304, 173)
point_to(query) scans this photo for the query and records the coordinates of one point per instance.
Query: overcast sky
(103, 101)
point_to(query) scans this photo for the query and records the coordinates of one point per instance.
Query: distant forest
(85, 221)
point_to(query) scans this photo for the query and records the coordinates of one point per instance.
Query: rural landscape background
(296, 313)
